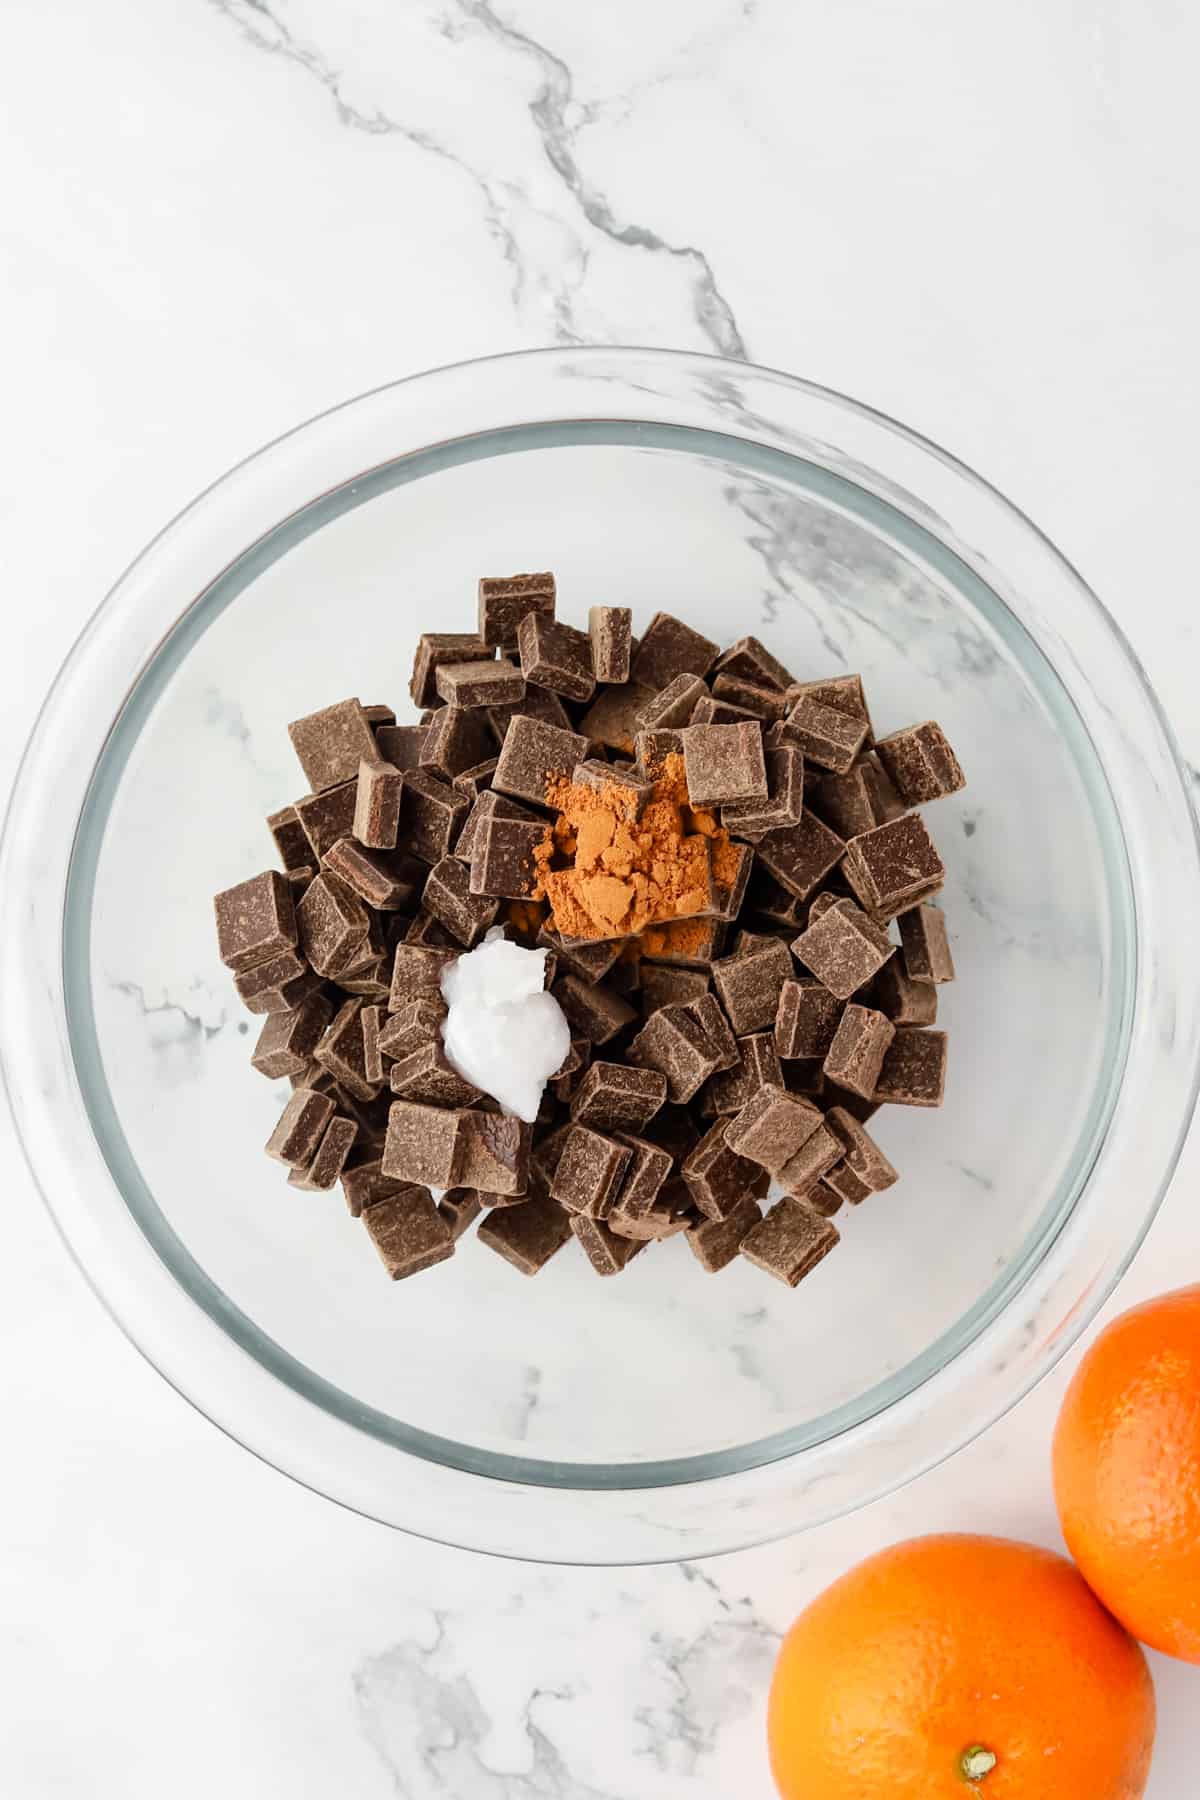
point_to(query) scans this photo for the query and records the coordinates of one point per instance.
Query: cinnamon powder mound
(609, 871)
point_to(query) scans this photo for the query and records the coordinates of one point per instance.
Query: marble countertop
(221, 218)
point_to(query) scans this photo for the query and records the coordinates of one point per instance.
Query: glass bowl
(665, 1414)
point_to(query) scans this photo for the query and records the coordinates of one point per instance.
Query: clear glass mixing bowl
(664, 1414)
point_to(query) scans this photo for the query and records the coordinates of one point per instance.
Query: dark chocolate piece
(749, 984)
(805, 1075)
(715, 1242)
(668, 648)
(255, 920)
(771, 1128)
(329, 1158)
(903, 1001)
(710, 711)
(673, 1043)
(431, 815)
(766, 900)
(265, 988)
(372, 1023)
(729, 895)
(825, 1199)
(502, 862)
(425, 1144)
(475, 781)
(436, 649)
(527, 1236)
(593, 1012)
(784, 805)
(724, 763)
(300, 1129)
(925, 946)
(914, 1069)
(921, 763)
(539, 703)
(417, 1022)
(766, 703)
(459, 1208)
(893, 864)
(706, 1010)
(672, 1211)
(467, 685)
(800, 856)
(844, 693)
(556, 656)
(828, 738)
(642, 1182)
(611, 719)
(333, 925)
(673, 706)
(749, 660)
(614, 1097)
(607, 1253)
(790, 1241)
(408, 1232)
(861, 1153)
(806, 1020)
(855, 1057)
(377, 805)
(843, 948)
(590, 962)
(533, 753)
(489, 805)
(327, 817)
(380, 715)
(496, 1154)
(342, 1052)
(504, 600)
(717, 1178)
(417, 974)
(653, 749)
(426, 1077)
(288, 1039)
(401, 745)
(364, 1183)
(858, 800)
(448, 896)
(456, 739)
(331, 743)
(814, 1159)
(610, 631)
(757, 1066)
(384, 879)
(665, 985)
(291, 839)
(589, 1172)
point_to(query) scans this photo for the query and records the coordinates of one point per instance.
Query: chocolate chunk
(427, 932)
(475, 781)
(343, 1054)
(467, 685)
(914, 1069)
(291, 839)
(766, 900)
(610, 630)
(545, 1157)
(684, 943)
(265, 987)
(364, 1183)
(790, 1241)
(805, 1075)
(806, 1020)
(814, 1159)
(496, 1154)
(329, 816)
(329, 1159)
(710, 711)
(372, 1022)
(489, 805)
(748, 986)
(417, 974)
(437, 650)
(706, 1011)
(921, 763)
(724, 763)
(665, 985)
(862, 1110)
(771, 1128)
(288, 1039)
(589, 1172)
(856, 1054)
(669, 648)
(784, 805)
(748, 660)
(448, 896)
(673, 1043)
(858, 800)
(653, 749)
(556, 656)
(533, 753)
(502, 862)
(459, 1210)
(539, 703)
(825, 1199)
(673, 1130)
(649, 1166)
(377, 805)
(614, 1097)
(799, 857)
(765, 703)
(408, 1232)
(401, 745)
(330, 744)
(673, 1211)
(456, 739)
(431, 814)
(717, 1178)
(426, 1077)
(255, 920)
(828, 738)
(384, 879)
(369, 981)
(894, 864)
(504, 600)
(903, 1001)
(925, 946)
(611, 719)
(844, 693)
(672, 706)
(417, 1022)
(425, 1144)
(861, 1153)
(607, 1253)
(300, 1129)
(757, 1066)
(715, 1242)
(527, 1236)
(729, 895)
(590, 962)
(333, 925)
(593, 1012)
(843, 948)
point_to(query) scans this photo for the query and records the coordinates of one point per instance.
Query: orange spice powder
(608, 870)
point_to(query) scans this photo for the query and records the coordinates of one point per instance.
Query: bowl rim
(25, 1082)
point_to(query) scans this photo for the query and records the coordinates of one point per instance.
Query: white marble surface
(217, 220)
